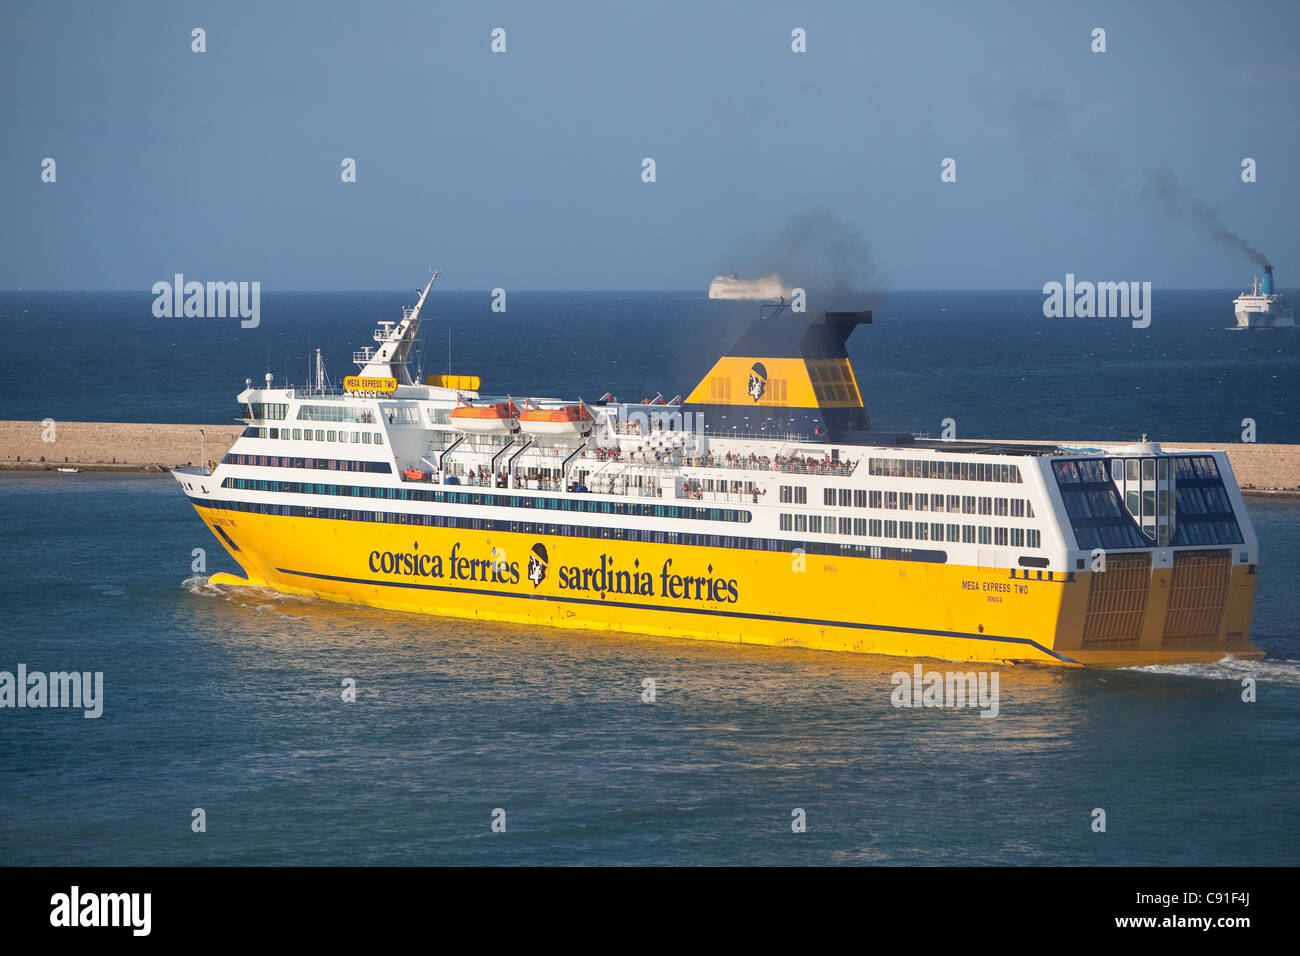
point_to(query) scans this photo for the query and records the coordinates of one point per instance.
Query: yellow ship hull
(859, 605)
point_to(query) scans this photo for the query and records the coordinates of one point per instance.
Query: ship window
(1131, 466)
(873, 527)
(986, 534)
(365, 438)
(1148, 469)
(297, 434)
(954, 504)
(1148, 503)
(860, 526)
(891, 500)
(306, 434)
(905, 529)
(968, 504)
(1117, 469)
(828, 496)
(891, 529)
(905, 501)
(877, 499)
(787, 522)
(936, 502)
(1017, 537)
(846, 496)
(1000, 536)
(1132, 502)
(815, 524)
(922, 502)
(800, 522)
(986, 506)
(936, 531)
(954, 532)
(968, 533)
(1000, 506)
(846, 526)
(1164, 469)
(922, 531)
(859, 499)
(1034, 538)
(379, 438)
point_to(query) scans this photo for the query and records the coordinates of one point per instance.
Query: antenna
(321, 380)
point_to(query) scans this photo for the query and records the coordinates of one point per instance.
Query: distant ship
(764, 287)
(1262, 308)
(761, 509)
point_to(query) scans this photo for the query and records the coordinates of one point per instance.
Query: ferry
(763, 287)
(761, 509)
(1261, 307)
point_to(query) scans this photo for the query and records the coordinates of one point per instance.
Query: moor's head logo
(757, 381)
(537, 561)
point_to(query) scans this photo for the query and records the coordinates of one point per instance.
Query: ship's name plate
(359, 383)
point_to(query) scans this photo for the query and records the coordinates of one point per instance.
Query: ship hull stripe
(818, 622)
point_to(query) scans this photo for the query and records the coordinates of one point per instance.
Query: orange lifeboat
(565, 421)
(500, 418)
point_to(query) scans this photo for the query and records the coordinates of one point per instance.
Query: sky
(524, 169)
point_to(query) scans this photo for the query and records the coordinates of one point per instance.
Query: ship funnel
(1268, 281)
(789, 374)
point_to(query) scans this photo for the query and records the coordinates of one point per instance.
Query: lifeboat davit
(565, 421)
(500, 418)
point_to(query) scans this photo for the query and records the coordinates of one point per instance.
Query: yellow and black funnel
(789, 374)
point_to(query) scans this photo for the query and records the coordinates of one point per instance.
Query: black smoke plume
(820, 253)
(1163, 188)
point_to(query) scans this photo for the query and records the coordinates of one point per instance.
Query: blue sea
(988, 360)
(232, 701)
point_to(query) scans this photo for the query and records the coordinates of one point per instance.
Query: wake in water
(200, 585)
(1283, 672)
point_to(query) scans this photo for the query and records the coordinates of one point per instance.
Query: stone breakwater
(112, 446)
(130, 446)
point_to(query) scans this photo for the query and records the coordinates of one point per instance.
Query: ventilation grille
(1117, 602)
(1197, 597)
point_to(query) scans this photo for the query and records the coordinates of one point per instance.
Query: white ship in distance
(1261, 307)
(764, 287)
